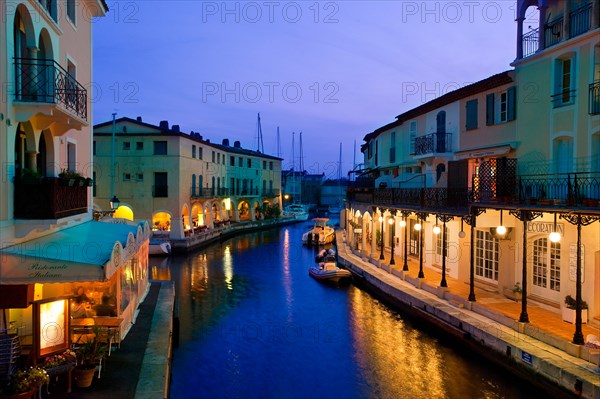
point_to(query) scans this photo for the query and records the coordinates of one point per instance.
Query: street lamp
(555, 235)
(114, 205)
(404, 224)
(391, 222)
(381, 257)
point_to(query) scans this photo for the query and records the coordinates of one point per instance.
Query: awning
(484, 152)
(91, 251)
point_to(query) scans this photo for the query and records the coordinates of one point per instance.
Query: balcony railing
(531, 42)
(580, 20)
(160, 191)
(560, 190)
(45, 81)
(595, 98)
(553, 32)
(48, 198)
(434, 143)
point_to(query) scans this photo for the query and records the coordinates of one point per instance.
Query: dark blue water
(254, 324)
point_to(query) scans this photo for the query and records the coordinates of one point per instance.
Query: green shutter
(471, 115)
(489, 108)
(512, 103)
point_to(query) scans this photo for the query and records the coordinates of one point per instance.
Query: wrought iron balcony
(563, 98)
(580, 20)
(434, 143)
(45, 81)
(553, 32)
(531, 42)
(48, 198)
(594, 98)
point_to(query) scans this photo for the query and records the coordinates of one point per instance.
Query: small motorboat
(328, 271)
(159, 248)
(320, 234)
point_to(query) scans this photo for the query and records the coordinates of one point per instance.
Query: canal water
(254, 324)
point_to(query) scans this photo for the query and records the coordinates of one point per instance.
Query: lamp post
(114, 205)
(404, 224)
(422, 216)
(391, 222)
(381, 257)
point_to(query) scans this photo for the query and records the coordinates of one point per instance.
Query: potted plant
(31, 176)
(517, 291)
(89, 355)
(70, 177)
(24, 383)
(568, 311)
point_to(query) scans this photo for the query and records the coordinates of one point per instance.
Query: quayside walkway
(544, 344)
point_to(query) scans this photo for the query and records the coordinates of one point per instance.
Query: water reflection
(228, 267)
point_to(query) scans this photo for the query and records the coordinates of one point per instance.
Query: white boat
(159, 248)
(296, 211)
(320, 234)
(328, 271)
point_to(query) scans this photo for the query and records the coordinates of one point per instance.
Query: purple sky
(332, 70)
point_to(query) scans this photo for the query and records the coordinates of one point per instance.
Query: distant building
(333, 193)
(181, 182)
(301, 186)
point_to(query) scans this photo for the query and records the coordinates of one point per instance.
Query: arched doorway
(161, 221)
(244, 210)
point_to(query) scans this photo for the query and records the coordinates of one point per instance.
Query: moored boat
(296, 211)
(328, 271)
(320, 234)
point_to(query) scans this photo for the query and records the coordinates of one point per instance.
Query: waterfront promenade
(543, 345)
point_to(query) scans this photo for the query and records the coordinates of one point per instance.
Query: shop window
(486, 255)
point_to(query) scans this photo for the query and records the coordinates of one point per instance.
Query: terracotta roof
(486, 84)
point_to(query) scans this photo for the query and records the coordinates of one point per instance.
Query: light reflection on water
(255, 325)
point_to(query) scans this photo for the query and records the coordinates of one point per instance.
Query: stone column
(31, 91)
(373, 238)
(31, 160)
(520, 37)
(176, 227)
(541, 29)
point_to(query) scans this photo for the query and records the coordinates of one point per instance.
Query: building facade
(481, 176)
(180, 182)
(51, 252)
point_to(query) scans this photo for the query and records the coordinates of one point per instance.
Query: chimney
(236, 144)
(226, 142)
(175, 128)
(139, 119)
(164, 125)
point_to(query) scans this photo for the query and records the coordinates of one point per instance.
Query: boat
(320, 234)
(328, 271)
(296, 211)
(159, 247)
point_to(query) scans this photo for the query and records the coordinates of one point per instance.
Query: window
(240, 162)
(199, 152)
(264, 189)
(94, 148)
(502, 107)
(249, 162)
(564, 83)
(218, 157)
(438, 245)
(546, 264)
(126, 176)
(413, 136)
(471, 115)
(213, 157)
(139, 145)
(160, 148)
(126, 145)
(160, 189)
(71, 10)
(414, 247)
(193, 151)
(270, 165)
(563, 155)
(231, 160)
(265, 165)
(486, 255)
(139, 176)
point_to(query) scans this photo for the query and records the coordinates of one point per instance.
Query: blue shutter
(489, 108)
(512, 103)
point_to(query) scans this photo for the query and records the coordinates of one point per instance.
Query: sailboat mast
(301, 155)
(278, 144)
(340, 164)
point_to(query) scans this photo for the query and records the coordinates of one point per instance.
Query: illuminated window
(486, 255)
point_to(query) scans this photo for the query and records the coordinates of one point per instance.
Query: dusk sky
(332, 70)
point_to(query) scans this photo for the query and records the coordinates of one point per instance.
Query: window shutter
(512, 103)
(471, 115)
(489, 114)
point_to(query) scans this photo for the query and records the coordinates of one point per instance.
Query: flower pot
(568, 315)
(84, 376)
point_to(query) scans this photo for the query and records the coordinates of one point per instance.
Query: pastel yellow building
(181, 183)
